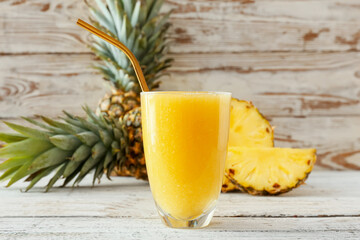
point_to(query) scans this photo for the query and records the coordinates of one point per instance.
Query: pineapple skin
(248, 169)
(255, 192)
(117, 103)
(263, 137)
(134, 165)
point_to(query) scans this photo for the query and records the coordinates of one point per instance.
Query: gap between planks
(219, 228)
(278, 84)
(6, 54)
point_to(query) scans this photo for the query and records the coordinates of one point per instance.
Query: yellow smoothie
(185, 138)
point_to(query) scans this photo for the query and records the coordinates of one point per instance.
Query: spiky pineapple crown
(137, 24)
(70, 149)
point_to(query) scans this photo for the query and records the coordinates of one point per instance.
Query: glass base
(202, 221)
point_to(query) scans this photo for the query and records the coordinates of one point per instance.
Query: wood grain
(325, 194)
(281, 84)
(325, 208)
(41, 26)
(198, 26)
(47, 84)
(336, 139)
(36, 228)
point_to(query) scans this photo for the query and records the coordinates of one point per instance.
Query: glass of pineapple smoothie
(185, 143)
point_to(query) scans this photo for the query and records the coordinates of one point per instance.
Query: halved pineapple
(268, 171)
(248, 128)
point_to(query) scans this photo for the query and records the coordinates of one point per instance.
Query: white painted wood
(280, 84)
(336, 139)
(326, 193)
(198, 26)
(47, 84)
(325, 208)
(220, 228)
(34, 26)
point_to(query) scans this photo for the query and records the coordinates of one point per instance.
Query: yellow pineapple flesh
(248, 128)
(268, 171)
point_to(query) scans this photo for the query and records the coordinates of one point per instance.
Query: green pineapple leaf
(9, 173)
(142, 28)
(22, 172)
(25, 148)
(50, 158)
(29, 132)
(65, 142)
(11, 137)
(56, 177)
(88, 145)
(39, 176)
(12, 162)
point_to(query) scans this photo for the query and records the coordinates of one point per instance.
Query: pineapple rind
(269, 171)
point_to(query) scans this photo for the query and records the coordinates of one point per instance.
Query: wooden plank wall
(297, 60)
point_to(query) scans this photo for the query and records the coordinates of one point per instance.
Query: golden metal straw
(122, 47)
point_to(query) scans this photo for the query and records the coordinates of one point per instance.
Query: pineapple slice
(268, 171)
(248, 128)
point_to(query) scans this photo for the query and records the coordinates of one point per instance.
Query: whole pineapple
(142, 29)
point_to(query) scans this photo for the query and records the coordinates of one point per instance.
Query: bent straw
(122, 47)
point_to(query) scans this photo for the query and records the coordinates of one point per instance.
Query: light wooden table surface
(327, 207)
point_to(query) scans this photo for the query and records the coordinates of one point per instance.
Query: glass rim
(186, 92)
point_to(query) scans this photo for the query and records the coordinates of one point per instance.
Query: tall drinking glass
(185, 141)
